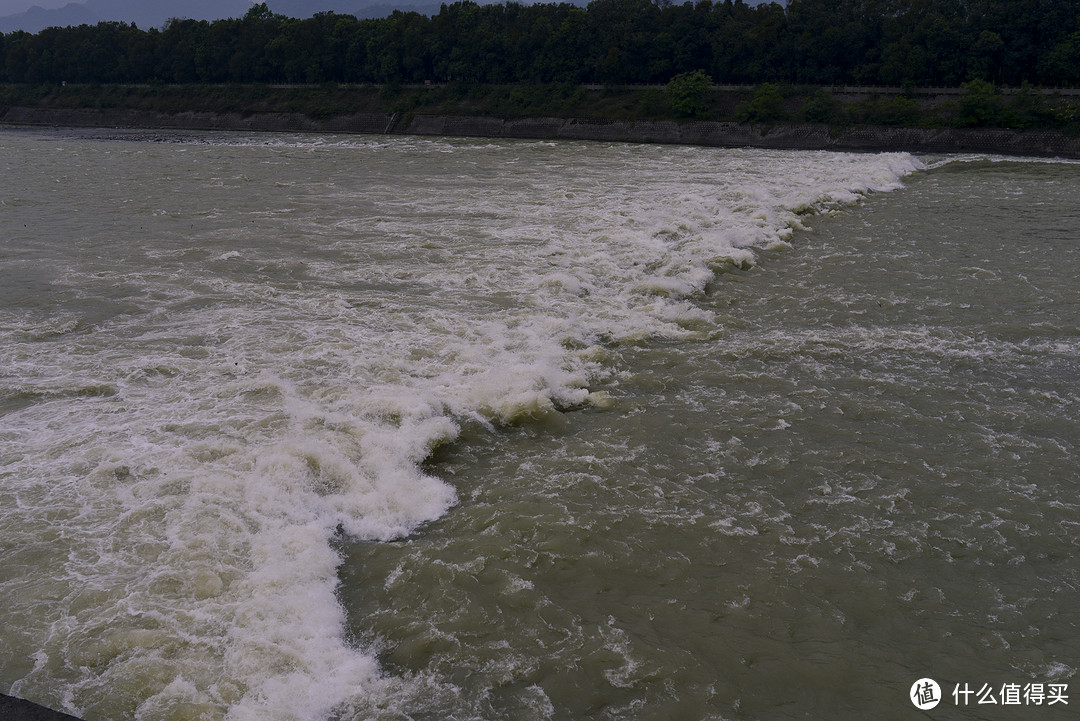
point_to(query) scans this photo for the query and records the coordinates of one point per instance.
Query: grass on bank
(979, 105)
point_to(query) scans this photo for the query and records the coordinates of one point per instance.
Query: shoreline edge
(779, 136)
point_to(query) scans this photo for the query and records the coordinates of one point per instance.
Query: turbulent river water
(322, 428)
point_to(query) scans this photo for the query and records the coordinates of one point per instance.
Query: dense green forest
(823, 42)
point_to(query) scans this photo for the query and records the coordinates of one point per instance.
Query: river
(319, 428)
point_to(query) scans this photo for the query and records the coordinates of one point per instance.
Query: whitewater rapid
(224, 352)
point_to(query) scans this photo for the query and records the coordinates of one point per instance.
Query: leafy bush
(980, 105)
(891, 111)
(688, 93)
(765, 105)
(821, 107)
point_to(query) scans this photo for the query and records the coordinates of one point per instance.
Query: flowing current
(322, 428)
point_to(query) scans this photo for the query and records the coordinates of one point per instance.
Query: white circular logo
(925, 694)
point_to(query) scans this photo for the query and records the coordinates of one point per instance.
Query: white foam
(257, 407)
(933, 162)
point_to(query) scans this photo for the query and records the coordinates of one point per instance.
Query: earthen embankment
(1043, 143)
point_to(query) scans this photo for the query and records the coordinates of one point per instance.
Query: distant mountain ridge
(148, 14)
(144, 13)
(37, 18)
(155, 13)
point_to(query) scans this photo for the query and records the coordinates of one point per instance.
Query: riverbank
(796, 136)
(975, 118)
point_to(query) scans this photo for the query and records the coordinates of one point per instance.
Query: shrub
(820, 107)
(688, 93)
(765, 105)
(1026, 108)
(891, 111)
(980, 105)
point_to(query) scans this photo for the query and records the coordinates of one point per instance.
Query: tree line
(612, 42)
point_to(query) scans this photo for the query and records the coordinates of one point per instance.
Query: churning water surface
(308, 428)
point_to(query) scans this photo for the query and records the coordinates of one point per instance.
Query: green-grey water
(321, 428)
